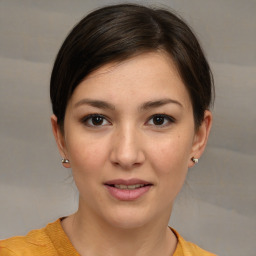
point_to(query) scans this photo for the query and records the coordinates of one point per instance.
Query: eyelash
(86, 119)
(166, 117)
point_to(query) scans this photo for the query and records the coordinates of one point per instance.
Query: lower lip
(127, 194)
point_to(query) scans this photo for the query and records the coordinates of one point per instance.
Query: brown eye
(160, 120)
(97, 120)
(94, 120)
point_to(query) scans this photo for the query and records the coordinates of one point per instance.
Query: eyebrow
(145, 106)
(159, 103)
(95, 103)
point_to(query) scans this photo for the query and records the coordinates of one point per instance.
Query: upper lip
(128, 182)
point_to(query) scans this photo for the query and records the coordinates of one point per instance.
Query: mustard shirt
(52, 241)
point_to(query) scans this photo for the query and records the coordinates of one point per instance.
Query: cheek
(171, 155)
(87, 155)
(87, 158)
(170, 162)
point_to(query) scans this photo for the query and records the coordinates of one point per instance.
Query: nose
(127, 148)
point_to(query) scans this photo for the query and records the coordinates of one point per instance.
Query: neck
(91, 236)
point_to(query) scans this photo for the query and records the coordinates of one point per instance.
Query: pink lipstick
(127, 190)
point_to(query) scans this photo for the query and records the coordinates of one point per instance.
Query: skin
(129, 143)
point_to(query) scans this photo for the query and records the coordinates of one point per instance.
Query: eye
(94, 120)
(160, 120)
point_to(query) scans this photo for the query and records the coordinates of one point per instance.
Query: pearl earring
(195, 160)
(65, 161)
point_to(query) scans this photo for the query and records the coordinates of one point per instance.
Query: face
(129, 135)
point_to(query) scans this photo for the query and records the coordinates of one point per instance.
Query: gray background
(216, 208)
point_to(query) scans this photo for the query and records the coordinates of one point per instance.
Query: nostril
(127, 155)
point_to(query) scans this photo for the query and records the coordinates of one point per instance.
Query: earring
(195, 160)
(65, 161)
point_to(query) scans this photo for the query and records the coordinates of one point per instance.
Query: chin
(128, 223)
(128, 218)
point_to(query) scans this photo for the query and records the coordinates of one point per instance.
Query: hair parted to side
(118, 32)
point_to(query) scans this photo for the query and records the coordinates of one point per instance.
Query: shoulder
(36, 242)
(189, 249)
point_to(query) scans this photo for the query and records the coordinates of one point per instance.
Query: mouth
(129, 187)
(127, 190)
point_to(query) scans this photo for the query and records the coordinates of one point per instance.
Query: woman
(131, 91)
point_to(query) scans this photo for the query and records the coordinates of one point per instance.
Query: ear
(60, 140)
(201, 137)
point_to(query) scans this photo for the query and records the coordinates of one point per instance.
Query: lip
(127, 194)
(128, 182)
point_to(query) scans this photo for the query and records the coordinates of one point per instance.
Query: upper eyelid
(170, 120)
(93, 115)
(162, 115)
(87, 117)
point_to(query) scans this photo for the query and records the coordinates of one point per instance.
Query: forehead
(143, 77)
(149, 61)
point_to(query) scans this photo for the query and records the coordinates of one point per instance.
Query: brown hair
(117, 32)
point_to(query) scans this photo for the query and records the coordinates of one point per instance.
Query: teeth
(121, 186)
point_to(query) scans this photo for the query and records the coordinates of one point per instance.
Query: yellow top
(52, 241)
